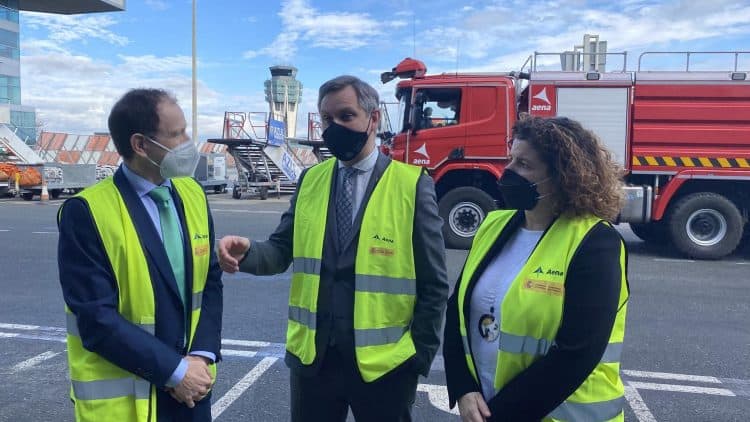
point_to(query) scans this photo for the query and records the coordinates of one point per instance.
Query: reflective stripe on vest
(71, 326)
(385, 279)
(532, 311)
(99, 389)
(599, 411)
(538, 347)
(112, 388)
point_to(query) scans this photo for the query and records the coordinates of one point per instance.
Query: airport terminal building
(18, 117)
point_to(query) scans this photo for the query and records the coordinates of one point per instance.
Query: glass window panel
(9, 38)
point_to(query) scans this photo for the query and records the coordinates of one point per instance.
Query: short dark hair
(135, 112)
(367, 96)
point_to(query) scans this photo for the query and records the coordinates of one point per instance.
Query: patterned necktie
(344, 201)
(170, 234)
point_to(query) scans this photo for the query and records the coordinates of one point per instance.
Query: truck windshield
(404, 101)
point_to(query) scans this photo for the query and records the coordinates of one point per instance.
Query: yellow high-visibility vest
(532, 311)
(101, 390)
(385, 279)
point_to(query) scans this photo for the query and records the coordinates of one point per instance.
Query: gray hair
(366, 95)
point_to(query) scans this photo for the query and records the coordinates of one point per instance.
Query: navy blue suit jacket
(90, 291)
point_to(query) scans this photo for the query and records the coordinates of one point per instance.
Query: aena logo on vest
(549, 272)
(384, 239)
(199, 236)
(380, 250)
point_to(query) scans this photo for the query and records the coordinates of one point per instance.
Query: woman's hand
(473, 408)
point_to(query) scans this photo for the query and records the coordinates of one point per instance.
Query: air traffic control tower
(283, 94)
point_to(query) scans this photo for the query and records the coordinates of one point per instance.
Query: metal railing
(688, 54)
(535, 59)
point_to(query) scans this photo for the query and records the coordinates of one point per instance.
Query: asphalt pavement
(686, 354)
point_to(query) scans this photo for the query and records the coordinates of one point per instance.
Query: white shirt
(486, 298)
(360, 179)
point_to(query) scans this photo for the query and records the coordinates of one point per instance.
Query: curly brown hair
(583, 169)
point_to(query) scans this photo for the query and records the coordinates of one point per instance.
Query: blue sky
(74, 67)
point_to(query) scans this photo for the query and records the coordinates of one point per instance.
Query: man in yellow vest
(142, 287)
(369, 281)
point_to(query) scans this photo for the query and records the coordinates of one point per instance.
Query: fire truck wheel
(236, 192)
(705, 225)
(463, 210)
(652, 232)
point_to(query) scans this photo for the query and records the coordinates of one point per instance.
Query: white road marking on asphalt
(245, 343)
(19, 327)
(638, 405)
(36, 360)
(681, 388)
(673, 260)
(739, 387)
(34, 337)
(44, 232)
(668, 376)
(438, 396)
(742, 263)
(243, 353)
(245, 211)
(4, 230)
(236, 391)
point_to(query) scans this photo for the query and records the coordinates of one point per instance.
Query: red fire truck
(683, 137)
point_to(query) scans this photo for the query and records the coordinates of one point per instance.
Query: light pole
(195, 81)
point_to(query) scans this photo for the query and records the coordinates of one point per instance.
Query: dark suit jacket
(336, 294)
(90, 291)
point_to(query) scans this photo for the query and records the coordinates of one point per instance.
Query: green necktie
(171, 237)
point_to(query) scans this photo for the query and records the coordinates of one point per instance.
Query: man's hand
(231, 250)
(472, 408)
(196, 383)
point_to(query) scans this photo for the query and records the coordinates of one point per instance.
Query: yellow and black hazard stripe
(703, 162)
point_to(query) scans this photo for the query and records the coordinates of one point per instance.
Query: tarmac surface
(686, 355)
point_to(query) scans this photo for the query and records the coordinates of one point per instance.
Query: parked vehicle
(57, 177)
(211, 172)
(683, 138)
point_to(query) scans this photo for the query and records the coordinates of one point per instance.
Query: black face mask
(344, 143)
(517, 192)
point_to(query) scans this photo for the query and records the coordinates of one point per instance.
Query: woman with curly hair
(535, 325)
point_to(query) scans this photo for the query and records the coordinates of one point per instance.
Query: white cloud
(150, 64)
(159, 5)
(302, 22)
(79, 106)
(32, 47)
(503, 34)
(283, 48)
(85, 88)
(67, 28)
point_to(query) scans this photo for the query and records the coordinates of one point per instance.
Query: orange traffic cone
(45, 193)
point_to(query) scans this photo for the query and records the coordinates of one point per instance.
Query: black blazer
(336, 295)
(90, 291)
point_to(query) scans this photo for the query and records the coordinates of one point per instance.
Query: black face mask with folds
(517, 192)
(344, 143)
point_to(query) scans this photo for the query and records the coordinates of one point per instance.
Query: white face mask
(179, 161)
